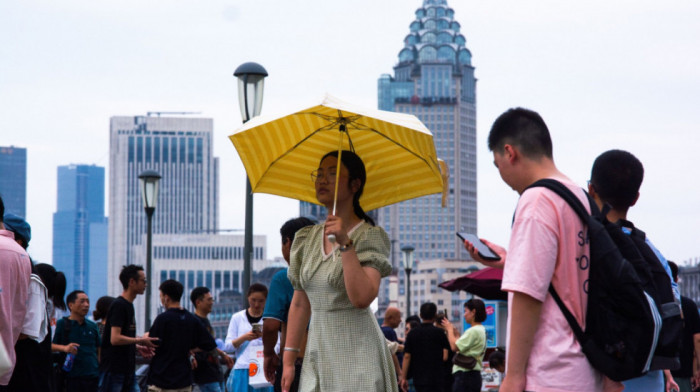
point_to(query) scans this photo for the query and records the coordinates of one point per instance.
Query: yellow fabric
(279, 153)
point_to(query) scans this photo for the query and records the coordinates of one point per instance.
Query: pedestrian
(178, 332)
(688, 375)
(337, 282)
(425, 352)
(543, 353)
(80, 337)
(245, 337)
(392, 320)
(277, 310)
(207, 374)
(616, 177)
(14, 285)
(33, 349)
(472, 344)
(100, 312)
(118, 348)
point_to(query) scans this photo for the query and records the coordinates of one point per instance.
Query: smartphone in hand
(484, 251)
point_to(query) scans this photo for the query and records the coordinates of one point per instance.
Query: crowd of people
(313, 328)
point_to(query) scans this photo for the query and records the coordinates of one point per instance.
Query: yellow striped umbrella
(279, 153)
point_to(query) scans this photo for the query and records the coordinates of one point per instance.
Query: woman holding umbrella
(337, 281)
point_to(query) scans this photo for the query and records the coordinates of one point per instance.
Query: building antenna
(158, 114)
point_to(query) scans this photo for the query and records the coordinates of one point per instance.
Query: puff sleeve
(296, 256)
(372, 248)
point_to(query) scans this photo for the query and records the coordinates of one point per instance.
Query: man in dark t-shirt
(425, 352)
(392, 320)
(117, 358)
(690, 347)
(207, 374)
(179, 332)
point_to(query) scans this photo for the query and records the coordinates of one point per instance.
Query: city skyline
(603, 76)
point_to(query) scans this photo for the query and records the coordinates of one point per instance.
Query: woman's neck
(253, 314)
(347, 214)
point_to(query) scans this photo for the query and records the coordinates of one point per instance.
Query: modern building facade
(180, 150)
(434, 80)
(13, 179)
(80, 229)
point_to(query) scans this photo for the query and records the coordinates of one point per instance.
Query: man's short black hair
(2, 209)
(290, 227)
(129, 272)
(428, 311)
(616, 177)
(197, 294)
(73, 296)
(523, 128)
(172, 288)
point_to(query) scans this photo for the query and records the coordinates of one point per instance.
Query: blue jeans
(114, 382)
(210, 387)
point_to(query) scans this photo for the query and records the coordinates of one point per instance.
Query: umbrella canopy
(486, 283)
(279, 153)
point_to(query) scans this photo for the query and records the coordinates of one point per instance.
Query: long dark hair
(356, 170)
(55, 283)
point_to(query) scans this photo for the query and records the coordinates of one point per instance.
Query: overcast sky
(603, 74)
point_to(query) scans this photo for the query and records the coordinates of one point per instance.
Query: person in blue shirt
(616, 177)
(276, 310)
(84, 335)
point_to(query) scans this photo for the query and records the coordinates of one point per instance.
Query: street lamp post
(251, 81)
(149, 190)
(408, 267)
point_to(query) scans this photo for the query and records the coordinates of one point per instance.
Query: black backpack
(622, 321)
(657, 284)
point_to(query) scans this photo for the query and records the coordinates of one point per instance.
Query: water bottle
(68, 364)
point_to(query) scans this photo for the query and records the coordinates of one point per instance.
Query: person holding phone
(545, 238)
(244, 340)
(472, 343)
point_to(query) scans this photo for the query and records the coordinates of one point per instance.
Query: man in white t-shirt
(546, 245)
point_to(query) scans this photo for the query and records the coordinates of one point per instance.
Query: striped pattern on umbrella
(397, 149)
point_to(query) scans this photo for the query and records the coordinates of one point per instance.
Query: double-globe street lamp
(408, 267)
(149, 190)
(251, 81)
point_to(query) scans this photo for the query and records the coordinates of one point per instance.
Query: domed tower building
(434, 80)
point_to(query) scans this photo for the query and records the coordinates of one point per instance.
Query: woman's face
(256, 301)
(326, 177)
(469, 315)
(408, 329)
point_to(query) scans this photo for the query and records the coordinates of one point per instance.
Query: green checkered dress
(346, 350)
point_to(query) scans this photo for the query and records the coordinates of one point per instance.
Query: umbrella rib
(362, 127)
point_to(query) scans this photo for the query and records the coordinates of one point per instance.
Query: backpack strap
(565, 193)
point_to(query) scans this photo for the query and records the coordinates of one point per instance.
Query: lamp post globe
(408, 267)
(149, 181)
(251, 82)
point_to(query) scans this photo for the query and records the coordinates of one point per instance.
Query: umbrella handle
(331, 237)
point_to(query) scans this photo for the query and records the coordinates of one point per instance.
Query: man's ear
(636, 198)
(510, 152)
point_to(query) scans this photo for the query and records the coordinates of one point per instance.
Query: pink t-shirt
(548, 244)
(15, 272)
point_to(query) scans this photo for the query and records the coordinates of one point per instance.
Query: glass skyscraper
(13, 179)
(180, 149)
(434, 80)
(80, 229)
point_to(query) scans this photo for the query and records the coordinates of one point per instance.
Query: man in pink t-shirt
(15, 271)
(547, 244)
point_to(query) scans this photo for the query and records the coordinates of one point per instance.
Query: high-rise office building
(180, 150)
(13, 179)
(434, 80)
(80, 229)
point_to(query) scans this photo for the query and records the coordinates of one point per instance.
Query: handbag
(464, 361)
